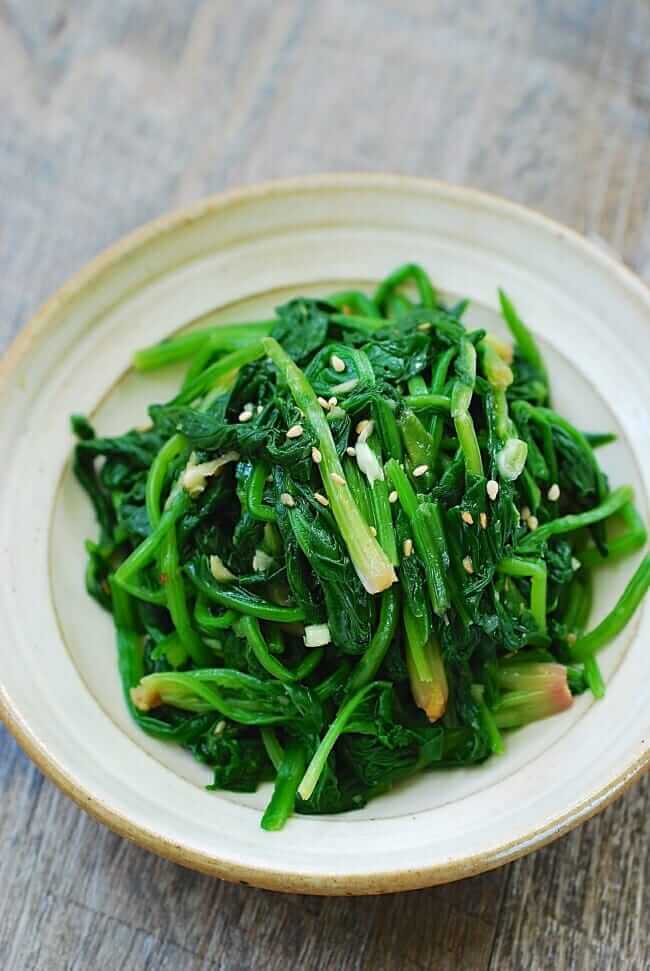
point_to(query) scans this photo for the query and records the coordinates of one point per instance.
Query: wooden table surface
(113, 112)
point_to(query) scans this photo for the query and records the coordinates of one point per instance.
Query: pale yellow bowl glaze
(240, 254)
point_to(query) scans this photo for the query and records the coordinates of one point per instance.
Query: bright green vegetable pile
(357, 544)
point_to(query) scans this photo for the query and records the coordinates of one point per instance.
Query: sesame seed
(316, 455)
(320, 498)
(407, 547)
(468, 566)
(323, 403)
(420, 470)
(295, 431)
(533, 522)
(571, 638)
(467, 517)
(260, 409)
(246, 416)
(373, 531)
(482, 518)
(333, 402)
(575, 563)
(492, 489)
(554, 492)
(219, 728)
(337, 363)
(424, 327)
(525, 513)
(335, 477)
(350, 450)
(287, 500)
(392, 496)
(361, 425)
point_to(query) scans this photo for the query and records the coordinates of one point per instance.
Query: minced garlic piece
(193, 479)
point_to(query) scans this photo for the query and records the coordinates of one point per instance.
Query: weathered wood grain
(583, 902)
(113, 113)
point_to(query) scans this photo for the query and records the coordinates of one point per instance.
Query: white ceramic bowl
(242, 253)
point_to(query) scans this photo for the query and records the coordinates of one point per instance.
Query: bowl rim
(263, 877)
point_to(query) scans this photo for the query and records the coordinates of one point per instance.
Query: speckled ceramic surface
(242, 253)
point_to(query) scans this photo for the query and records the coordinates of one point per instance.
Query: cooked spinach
(356, 545)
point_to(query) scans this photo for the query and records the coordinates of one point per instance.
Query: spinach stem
(438, 381)
(536, 570)
(174, 588)
(255, 494)
(461, 397)
(568, 524)
(488, 720)
(371, 660)
(427, 402)
(370, 562)
(523, 336)
(356, 301)
(400, 276)
(208, 622)
(620, 615)
(234, 598)
(273, 748)
(225, 365)
(382, 512)
(250, 628)
(632, 539)
(227, 337)
(387, 427)
(148, 548)
(337, 726)
(289, 774)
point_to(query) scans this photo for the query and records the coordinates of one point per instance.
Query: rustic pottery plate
(242, 253)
